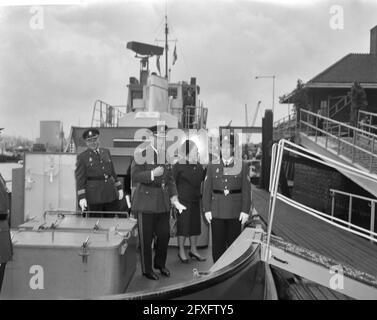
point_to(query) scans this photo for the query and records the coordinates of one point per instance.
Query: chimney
(373, 40)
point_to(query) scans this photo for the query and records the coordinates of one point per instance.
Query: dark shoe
(151, 275)
(183, 260)
(199, 258)
(165, 272)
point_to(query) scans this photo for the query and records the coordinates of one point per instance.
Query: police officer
(154, 194)
(226, 197)
(98, 188)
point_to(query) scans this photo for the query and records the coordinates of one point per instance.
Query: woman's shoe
(199, 258)
(183, 260)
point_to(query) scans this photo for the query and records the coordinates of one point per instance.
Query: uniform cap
(161, 129)
(90, 134)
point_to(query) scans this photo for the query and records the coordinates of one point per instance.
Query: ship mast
(166, 45)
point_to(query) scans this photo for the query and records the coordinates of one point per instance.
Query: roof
(353, 67)
(361, 67)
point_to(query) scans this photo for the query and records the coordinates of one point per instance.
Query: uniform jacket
(152, 196)
(5, 240)
(225, 205)
(188, 178)
(95, 177)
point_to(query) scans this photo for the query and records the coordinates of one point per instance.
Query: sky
(56, 67)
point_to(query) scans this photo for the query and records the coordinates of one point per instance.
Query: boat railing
(358, 145)
(351, 197)
(195, 117)
(276, 164)
(106, 115)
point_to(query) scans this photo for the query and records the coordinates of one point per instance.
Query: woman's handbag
(173, 222)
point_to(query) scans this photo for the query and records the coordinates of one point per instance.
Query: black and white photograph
(209, 151)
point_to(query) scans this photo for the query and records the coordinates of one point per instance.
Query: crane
(255, 114)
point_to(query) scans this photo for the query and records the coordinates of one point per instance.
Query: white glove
(179, 206)
(208, 216)
(128, 201)
(83, 204)
(121, 194)
(243, 217)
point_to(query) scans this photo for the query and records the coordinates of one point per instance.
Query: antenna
(246, 116)
(166, 39)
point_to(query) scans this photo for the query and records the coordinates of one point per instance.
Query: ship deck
(180, 272)
(306, 231)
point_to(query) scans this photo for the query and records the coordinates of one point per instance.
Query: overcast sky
(80, 55)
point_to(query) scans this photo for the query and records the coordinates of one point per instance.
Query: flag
(175, 54)
(158, 64)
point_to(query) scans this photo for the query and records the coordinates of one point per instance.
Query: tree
(358, 101)
(300, 99)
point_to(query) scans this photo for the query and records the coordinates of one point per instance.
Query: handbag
(173, 222)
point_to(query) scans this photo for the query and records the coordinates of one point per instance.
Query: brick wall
(312, 184)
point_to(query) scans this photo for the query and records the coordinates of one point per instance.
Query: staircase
(341, 103)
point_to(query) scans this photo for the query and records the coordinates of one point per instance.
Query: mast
(166, 45)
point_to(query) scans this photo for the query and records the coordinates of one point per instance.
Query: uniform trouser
(151, 225)
(224, 232)
(2, 271)
(109, 206)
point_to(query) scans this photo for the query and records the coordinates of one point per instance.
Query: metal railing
(353, 143)
(106, 115)
(195, 117)
(351, 196)
(343, 102)
(284, 126)
(276, 164)
(367, 121)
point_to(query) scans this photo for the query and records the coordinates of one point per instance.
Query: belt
(99, 178)
(155, 186)
(230, 191)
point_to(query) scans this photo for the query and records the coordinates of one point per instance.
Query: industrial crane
(254, 117)
(255, 114)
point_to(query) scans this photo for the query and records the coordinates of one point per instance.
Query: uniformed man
(154, 194)
(98, 188)
(5, 239)
(226, 197)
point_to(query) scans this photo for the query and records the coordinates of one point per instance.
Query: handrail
(103, 113)
(353, 195)
(285, 145)
(345, 135)
(289, 117)
(338, 122)
(342, 99)
(368, 113)
(369, 116)
(372, 201)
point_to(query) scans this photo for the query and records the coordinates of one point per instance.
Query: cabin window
(173, 92)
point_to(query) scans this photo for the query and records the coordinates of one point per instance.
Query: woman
(188, 178)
